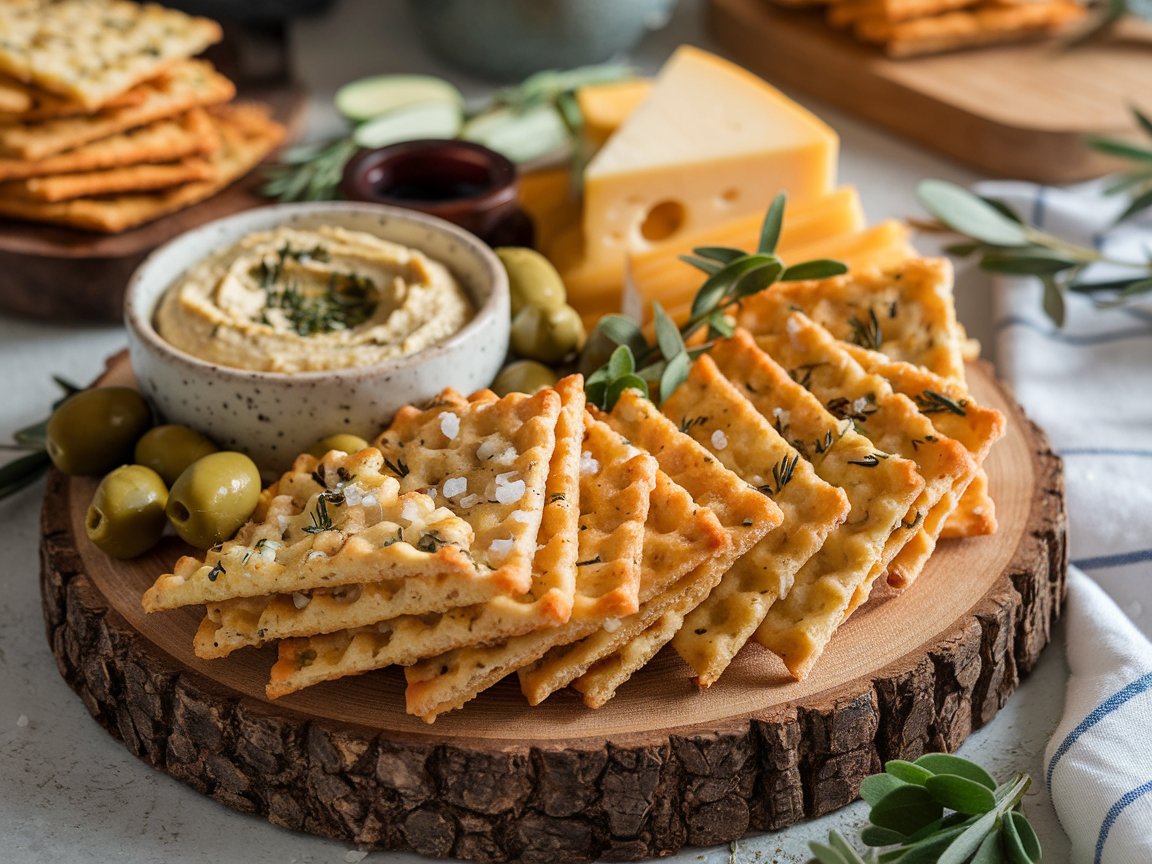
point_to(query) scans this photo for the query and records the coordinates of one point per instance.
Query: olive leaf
(990, 851)
(723, 254)
(674, 374)
(1020, 840)
(970, 215)
(772, 226)
(623, 331)
(25, 470)
(906, 809)
(1138, 179)
(822, 268)
(667, 333)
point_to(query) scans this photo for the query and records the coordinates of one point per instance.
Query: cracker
(20, 103)
(616, 483)
(956, 414)
(404, 640)
(906, 311)
(846, 12)
(91, 50)
(162, 141)
(716, 415)
(880, 490)
(189, 84)
(247, 135)
(891, 421)
(110, 181)
(986, 25)
(680, 538)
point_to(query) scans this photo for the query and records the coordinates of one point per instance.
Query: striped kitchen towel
(1089, 385)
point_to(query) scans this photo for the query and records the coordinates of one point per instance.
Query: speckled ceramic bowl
(274, 416)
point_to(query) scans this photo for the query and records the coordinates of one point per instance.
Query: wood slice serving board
(661, 766)
(1018, 111)
(66, 274)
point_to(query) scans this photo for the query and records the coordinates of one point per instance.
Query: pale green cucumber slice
(522, 136)
(370, 97)
(424, 120)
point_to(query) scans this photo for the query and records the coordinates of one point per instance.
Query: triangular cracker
(891, 421)
(715, 413)
(616, 482)
(906, 311)
(880, 488)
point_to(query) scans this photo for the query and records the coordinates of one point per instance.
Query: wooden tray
(66, 274)
(660, 766)
(1018, 111)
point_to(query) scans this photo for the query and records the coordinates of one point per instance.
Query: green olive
(523, 376)
(548, 335)
(344, 441)
(532, 280)
(126, 516)
(213, 497)
(169, 449)
(95, 430)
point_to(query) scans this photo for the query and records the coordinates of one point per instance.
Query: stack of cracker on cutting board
(106, 122)
(915, 28)
(822, 450)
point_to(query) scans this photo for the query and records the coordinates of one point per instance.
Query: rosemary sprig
(309, 172)
(732, 275)
(1006, 244)
(942, 809)
(1136, 182)
(26, 470)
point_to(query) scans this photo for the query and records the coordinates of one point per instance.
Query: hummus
(293, 300)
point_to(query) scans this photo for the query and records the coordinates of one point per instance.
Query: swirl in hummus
(293, 300)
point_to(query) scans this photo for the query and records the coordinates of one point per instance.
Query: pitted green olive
(126, 516)
(532, 280)
(344, 442)
(95, 430)
(213, 497)
(169, 449)
(548, 335)
(523, 376)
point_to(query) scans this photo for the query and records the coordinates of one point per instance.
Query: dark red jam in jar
(462, 182)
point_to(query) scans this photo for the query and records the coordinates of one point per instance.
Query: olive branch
(732, 275)
(25, 470)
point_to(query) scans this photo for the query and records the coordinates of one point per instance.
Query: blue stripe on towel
(1114, 814)
(1113, 702)
(1040, 206)
(1106, 451)
(1070, 338)
(1120, 559)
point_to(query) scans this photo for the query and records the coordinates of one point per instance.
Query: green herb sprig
(1006, 244)
(733, 275)
(1137, 182)
(939, 809)
(309, 172)
(26, 470)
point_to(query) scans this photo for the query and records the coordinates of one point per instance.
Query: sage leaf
(708, 267)
(960, 794)
(874, 835)
(944, 763)
(928, 850)
(773, 222)
(967, 214)
(876, 787)
(837, 842)
(625, 382)
(990, 851)
(621, 362)
(826, 854)
(1020, 840)
(621, 330)
(820, 268)
(964, 846)
(723, 254)
(597, 392)
(909, 772)
(674, 374)
(1053, 302)
(667, 333)
(906, 809)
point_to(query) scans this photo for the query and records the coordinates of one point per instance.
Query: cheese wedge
(605, 107)
(548, 196)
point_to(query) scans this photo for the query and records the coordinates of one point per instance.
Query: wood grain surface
(661, 766)
(1019, 111)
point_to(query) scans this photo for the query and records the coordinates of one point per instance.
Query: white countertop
(71, 793)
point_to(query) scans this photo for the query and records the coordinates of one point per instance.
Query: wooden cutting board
(1018, 111)
(660, 766)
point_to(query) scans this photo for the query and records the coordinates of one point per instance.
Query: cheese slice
(605, 107)
(712, 141)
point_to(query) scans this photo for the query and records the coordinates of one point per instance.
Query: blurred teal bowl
(511, 39)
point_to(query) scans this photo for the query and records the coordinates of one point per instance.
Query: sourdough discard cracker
(91, 50)
(880, 487)
(192, 134)
(907, 312)
(891, 421)
(110, 181)
(714, 412)
(616, 483)
(190, 84)
(247, 135)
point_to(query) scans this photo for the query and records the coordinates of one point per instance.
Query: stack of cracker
(914, 28)
(826, 446)
(106, 122)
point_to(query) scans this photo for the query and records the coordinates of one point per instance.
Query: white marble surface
(70, 793)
